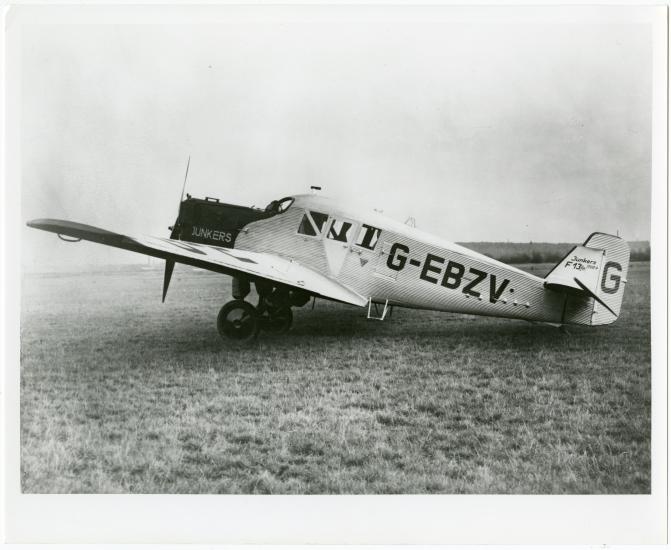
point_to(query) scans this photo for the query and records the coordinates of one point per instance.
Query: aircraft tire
(238, 321)
(280, 321)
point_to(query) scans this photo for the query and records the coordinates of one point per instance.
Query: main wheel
(280, 321)
(237, 320)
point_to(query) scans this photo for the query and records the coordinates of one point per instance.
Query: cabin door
(339, 233)
(382, 268)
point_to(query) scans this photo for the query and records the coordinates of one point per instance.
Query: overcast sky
(480, 129)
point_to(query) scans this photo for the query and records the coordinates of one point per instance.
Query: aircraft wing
(221, 260)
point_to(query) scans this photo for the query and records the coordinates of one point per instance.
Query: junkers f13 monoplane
(308, 246)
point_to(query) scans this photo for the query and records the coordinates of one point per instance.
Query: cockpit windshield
(279, 206)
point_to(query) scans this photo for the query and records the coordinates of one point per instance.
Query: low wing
(214, 258)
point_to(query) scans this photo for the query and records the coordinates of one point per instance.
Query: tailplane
(593, 277)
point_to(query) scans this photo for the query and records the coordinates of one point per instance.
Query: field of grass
(120, 393)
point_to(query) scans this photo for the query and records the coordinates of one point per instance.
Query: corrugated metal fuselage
(410, 268)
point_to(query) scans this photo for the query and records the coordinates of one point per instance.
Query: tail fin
(593, 277)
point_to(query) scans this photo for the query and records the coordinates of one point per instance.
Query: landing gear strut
(274, 309)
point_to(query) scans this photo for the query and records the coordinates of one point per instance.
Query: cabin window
(340, 230)
(312, 223)
(368, 236)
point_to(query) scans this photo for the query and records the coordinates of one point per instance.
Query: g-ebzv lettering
(452, 276)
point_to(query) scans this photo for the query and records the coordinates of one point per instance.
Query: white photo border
(408, 519)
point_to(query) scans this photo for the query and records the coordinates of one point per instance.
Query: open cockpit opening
(279, 206)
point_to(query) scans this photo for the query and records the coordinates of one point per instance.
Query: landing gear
(238, 321)
(279, 321)
(275, 310)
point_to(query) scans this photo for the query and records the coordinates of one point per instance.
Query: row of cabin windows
(313, 223)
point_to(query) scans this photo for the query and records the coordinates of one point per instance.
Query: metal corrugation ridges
(617, 250)
(408, 287)
(277, 235)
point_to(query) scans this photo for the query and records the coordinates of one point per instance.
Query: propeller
(175, 227)
(167, 275)
(174, 232)
(186, 175)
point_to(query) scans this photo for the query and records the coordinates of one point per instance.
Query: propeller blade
(170, 264)
(581, 285)
(167, 275)
(188, 162)
(174, 229)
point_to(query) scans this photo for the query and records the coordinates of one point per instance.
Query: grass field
(120, 393)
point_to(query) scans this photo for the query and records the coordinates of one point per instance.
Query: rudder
(613, 276)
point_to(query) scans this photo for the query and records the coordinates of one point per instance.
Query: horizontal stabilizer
(594, 296)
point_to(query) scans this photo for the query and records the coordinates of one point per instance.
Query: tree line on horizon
(539, 253)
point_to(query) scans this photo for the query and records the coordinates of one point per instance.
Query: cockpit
(279, 206)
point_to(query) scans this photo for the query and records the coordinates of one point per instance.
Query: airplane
(309, 246)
